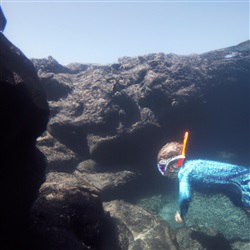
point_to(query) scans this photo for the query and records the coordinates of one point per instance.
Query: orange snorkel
(180, 162)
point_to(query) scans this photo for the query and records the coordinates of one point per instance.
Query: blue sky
(103, 31)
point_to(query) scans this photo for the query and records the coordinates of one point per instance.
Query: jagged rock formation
(3, 20)
(109, 122)
(66, 215)
(139, 229)
(24, 115)
(107, 184)
(118, 114)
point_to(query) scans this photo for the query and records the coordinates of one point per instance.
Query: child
(201, 174)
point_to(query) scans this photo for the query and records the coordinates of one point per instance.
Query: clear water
(207, 212)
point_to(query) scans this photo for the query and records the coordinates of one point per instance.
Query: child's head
(168, 158)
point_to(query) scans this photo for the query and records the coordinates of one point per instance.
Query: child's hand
(178, 217)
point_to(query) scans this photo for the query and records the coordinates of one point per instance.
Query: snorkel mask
(171, 167)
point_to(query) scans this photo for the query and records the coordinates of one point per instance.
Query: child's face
(171, 171)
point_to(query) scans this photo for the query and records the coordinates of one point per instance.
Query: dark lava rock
(66, 215)
(114, 101)
(123, 114)
(190, 239)
(108, 123)
(137, 229)
(108, 185)
(24, 115)
(3, 20)
(59, 157)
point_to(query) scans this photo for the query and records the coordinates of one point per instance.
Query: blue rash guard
(204, 174)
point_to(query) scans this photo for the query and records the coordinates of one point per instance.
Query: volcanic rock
(137, 228)
(108, 185)
(108, 122)
(24, 115)
(123, 112)
(66, 215)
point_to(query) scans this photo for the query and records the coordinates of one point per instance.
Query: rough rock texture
(3, 20)
(218, 212)
(108, 123)
(118, 114)
(190, 239)
(24, 115)
(137, 229)
(58, 155)
(108, 185)
(67, 215)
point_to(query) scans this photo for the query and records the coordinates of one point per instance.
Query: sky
(103, 31)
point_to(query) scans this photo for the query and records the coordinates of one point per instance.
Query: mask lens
(161, 167)
(173, 168)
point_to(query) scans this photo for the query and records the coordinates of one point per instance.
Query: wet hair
(169, 151)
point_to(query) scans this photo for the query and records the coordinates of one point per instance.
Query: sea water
(213, 212)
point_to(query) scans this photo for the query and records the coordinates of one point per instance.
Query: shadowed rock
(3, 20)
(143, 102)
(24, 115)
(119, 116)
(66, 215)
(108, 185)
(137, 228)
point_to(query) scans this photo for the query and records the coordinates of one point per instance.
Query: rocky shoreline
(106, 124)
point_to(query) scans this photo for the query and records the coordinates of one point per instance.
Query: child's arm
(184, 198)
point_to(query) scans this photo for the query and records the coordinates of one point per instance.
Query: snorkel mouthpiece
(167, 167)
